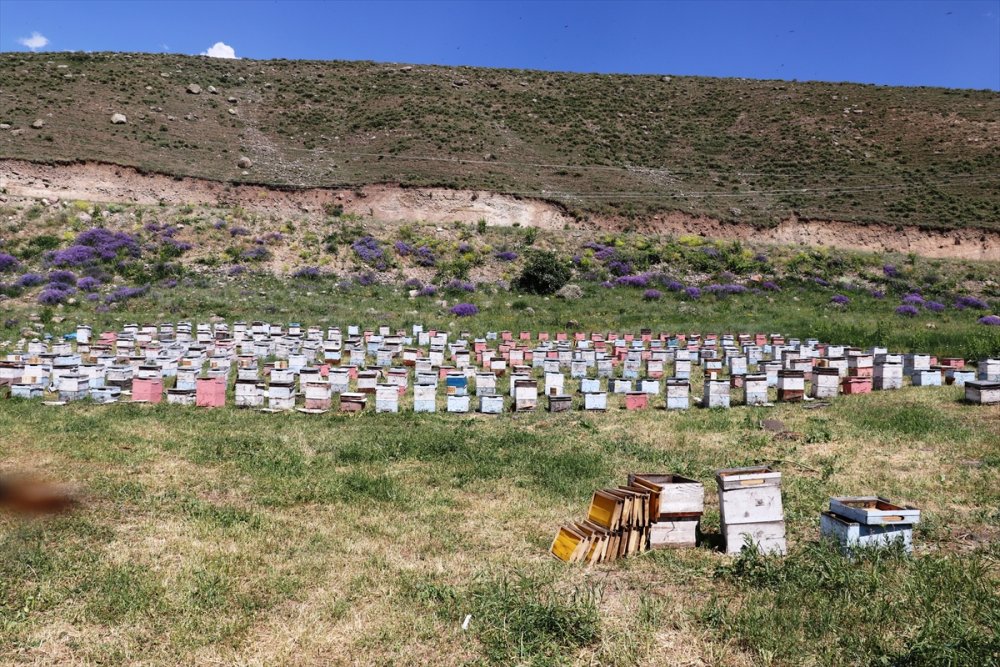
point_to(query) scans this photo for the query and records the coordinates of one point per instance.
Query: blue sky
(949, 43)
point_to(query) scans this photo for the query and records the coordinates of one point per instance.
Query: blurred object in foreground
(28, 496)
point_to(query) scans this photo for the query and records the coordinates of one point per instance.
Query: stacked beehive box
(750, 508)
(868, 522)
(676, 505)
(617, 525)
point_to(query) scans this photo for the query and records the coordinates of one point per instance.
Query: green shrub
(544, 273)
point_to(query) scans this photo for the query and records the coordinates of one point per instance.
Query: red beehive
(148, 390)
(210, 392)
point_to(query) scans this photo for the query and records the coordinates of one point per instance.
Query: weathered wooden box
(930, 377)
(791, 385)
(386, 397)
(888, 376)
(749, 495)
(248, 394)
(825, 383)
(636, 400)
(678, 392)
(715, 394)
(177, 396)
(982, 392)
(988, 370)
(26, 391)
(873, 511)
(851, 535)
(596, 400)
(458, 404)
(677, 496)
(674, 533)
(491, 404)
(560, 403)
(856, 385)
(958, 377)
(769, 537)
(755, 389)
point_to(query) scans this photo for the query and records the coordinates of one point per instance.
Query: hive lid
(873, 510)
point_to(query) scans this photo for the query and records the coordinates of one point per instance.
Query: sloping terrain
(608, 146)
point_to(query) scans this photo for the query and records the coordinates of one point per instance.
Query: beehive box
(791, 385)
(597, 400)
(673, 533)
(755, 390)
(458, 404)
(926, 378)
(982, 392)
(715, 394)
(486, 384)
(675, 496)
(636, 400)
(825, 383)
(873, 511)
(525, 395)
(768, 537)
(210, 392)
(26, 391)
(958, 377)
(678, 392)
(386, 397)
(424, 398)
(888, 376)
(180, 396)
(856, 385)
(749, 495)
(560, 403)
(147, 390)
(851, 535)
(317, 395)
(649, 386)
(491, 404)
(353, 401)
(249, 394)
(988, 370)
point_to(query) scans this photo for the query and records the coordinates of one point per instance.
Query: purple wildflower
(990, 320)
(8, 263)
(425, 256)
(639, 280)
(619, 268)
(734, 289)
(237, 270)
(219, 224)
(877, 294)
(88, 284)
(760, 257)
(93, 296)
(710, 251)
(402, 248)
(890, 271)
(55, 294)
(819, 281)
(457, 285)
(307, 273)
(840, 300)
(427, 290)
(30, 280)
(674, 286)
(124, 294)
(413, 283)
(907, 311)
(62, 278)
(108, 244)
(365, 279)
(693, 292)
(75, 255)
(368, 250)
(170, 283)
(239, 231)
(607, 284)
(934, 306)
(256, 254)
(651, 294)
(510, 256)
(771, 286)
(913, 299)
(464, 310)
(464, 248)
(964, 302)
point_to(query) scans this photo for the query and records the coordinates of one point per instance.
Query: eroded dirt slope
(390, 203)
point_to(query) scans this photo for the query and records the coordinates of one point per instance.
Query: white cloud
(220, 50)
(36, 41)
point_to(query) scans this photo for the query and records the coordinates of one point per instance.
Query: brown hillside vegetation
(602, 146)
(95, 182)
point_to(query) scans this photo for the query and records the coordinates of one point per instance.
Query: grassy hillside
(740, 150)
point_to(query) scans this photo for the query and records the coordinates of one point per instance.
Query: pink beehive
(148, 390)
(543, 335)
(636, 400)
(524, 335)
(210, 392)
(856, 385)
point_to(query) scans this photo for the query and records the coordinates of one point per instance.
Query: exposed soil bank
(109, 183)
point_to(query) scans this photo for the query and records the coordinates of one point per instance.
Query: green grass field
(234, 537)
